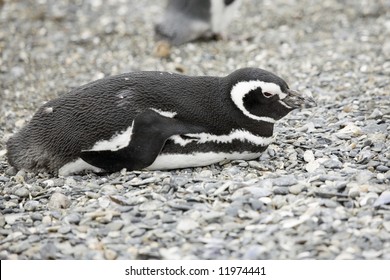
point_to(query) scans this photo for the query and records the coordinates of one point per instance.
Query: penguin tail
(22, 154)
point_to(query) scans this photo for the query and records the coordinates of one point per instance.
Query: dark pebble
(49, 251)
(382, 168)
(256, 204)
(36, 216)
(280, 190)
(333, 164)
(56, 214)
(11, 171)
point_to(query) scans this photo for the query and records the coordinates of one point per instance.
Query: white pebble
(187, 225)
(308, 156)
(59, 201)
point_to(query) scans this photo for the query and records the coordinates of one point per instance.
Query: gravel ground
(320, 191)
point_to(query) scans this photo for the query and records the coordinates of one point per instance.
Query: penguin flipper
(149, 134)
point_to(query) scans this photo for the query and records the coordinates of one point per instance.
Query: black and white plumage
(155, 120)
(187, 20)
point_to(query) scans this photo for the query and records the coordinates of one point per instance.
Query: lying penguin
(155, 120)
(188, 20)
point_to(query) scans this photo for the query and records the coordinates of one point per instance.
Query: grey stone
(285, 181)
(115, 226)
(72, 218)
(31, 205)
(256, 165)
(253, 191)
(139, 182)
(376, 114)
(333, 164)
(150, 205)
(22, 192)
(179, 181)
(382, 168)
(281, 190)
(331, 203)
(36, 216)
(2, 220)
(49, 251)
(296, 189)
(19, 247)
(64, 229)
(363, 176)
(4, 179)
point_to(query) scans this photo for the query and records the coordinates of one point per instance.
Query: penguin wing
(149, 134)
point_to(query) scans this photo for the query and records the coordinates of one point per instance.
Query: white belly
(165, 161)
(77, 166)
(174, 161)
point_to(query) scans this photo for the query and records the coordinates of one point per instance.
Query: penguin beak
(296, 100)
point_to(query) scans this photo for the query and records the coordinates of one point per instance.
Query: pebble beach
(320, 191)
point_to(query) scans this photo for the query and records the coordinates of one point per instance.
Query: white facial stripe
(243, 88)
(237, 134)
(174, 161)
(284, 104)
(117, 142)
(76, 167)
(165, 113)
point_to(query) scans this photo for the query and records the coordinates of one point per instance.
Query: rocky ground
(320, 191)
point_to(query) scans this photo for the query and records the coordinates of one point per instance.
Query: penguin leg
(149, 134)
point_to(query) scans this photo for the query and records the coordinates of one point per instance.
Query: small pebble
(22, 192)
(296, 189)
(31, 205)
(383, 199)
(110, 254)
(281, 190)
(187, 225)
(73, 218)
(2, 220)
(206, 174)
(285, 181)
(308, 156)
(368, 199)
(59, 201)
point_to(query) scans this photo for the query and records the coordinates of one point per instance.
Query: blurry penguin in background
(188, 20)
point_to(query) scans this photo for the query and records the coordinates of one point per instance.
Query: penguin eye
(267, 94)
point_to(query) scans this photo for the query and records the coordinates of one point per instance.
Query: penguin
(188, 20)
(155, 120)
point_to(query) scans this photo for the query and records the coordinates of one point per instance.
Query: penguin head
(263, 96)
